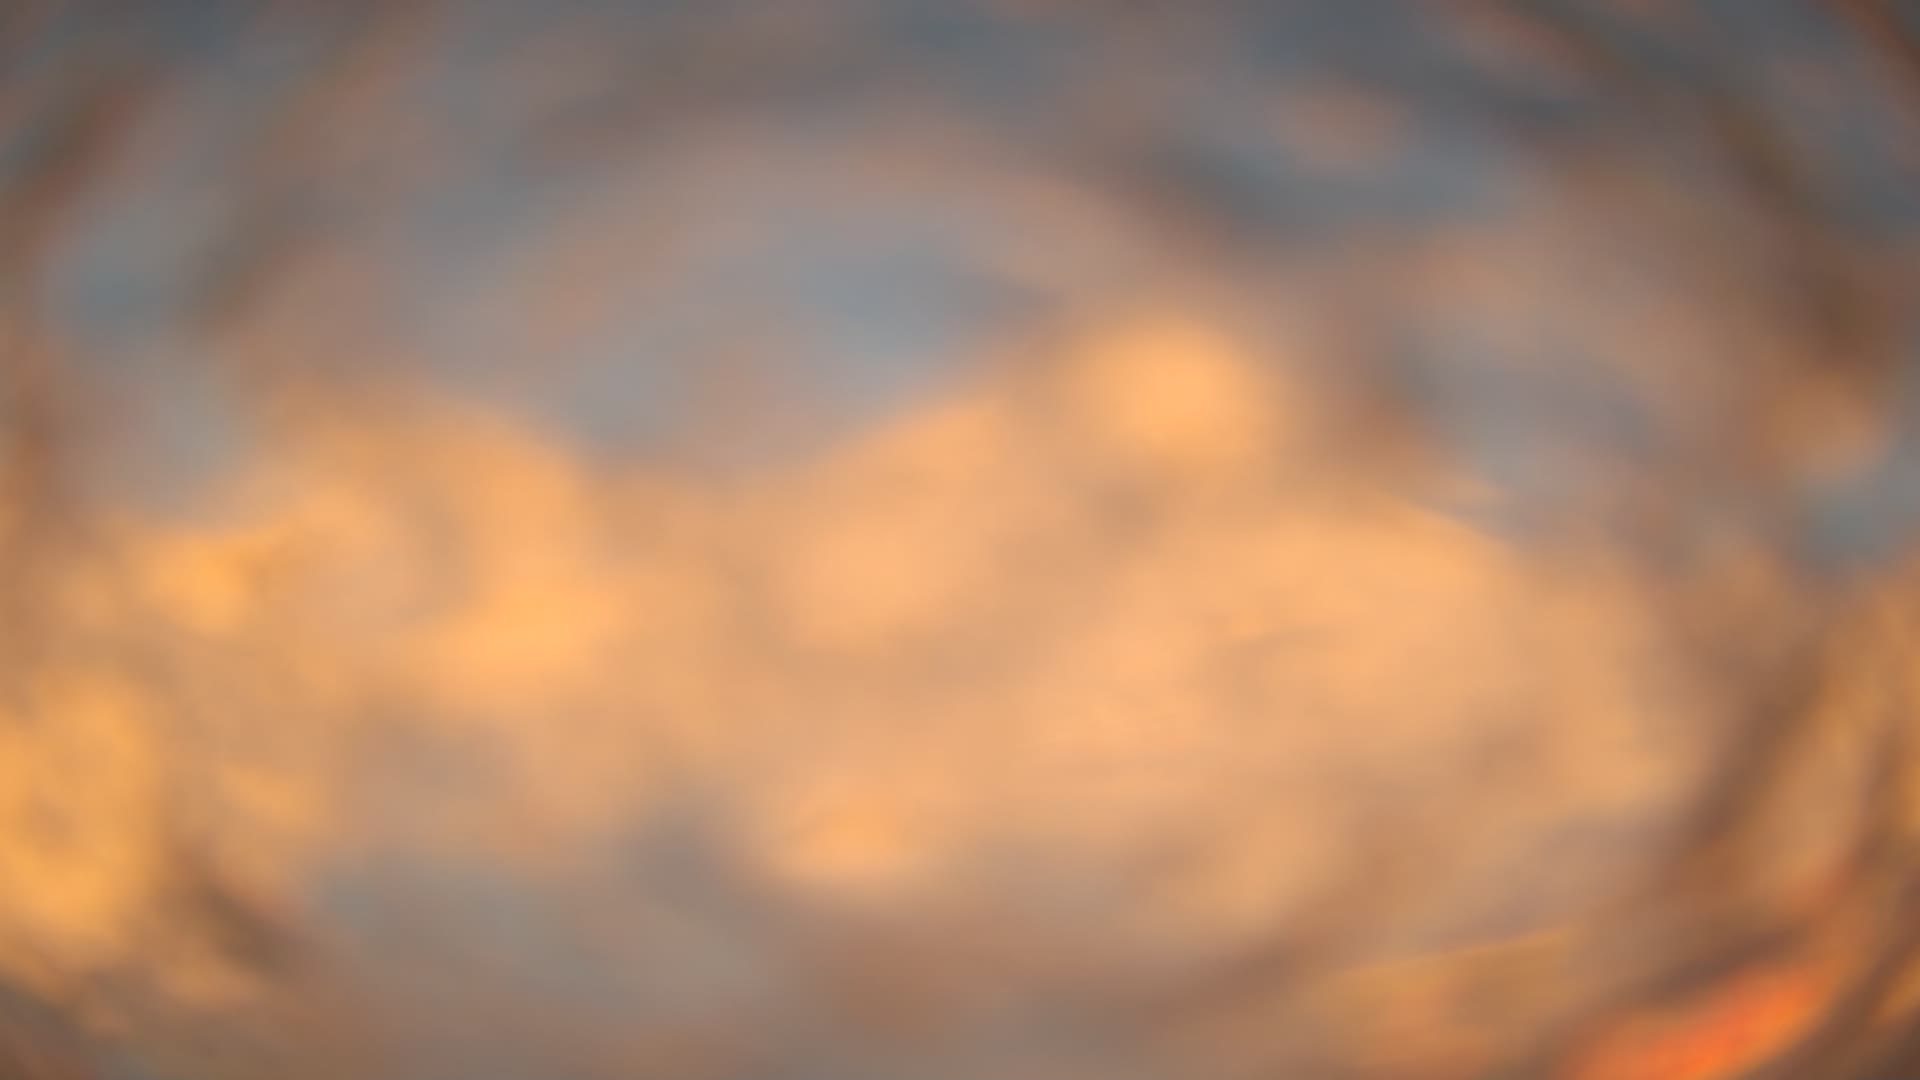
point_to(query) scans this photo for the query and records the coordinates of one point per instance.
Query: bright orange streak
(1737, 1027)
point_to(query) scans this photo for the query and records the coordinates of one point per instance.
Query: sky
(937, 540)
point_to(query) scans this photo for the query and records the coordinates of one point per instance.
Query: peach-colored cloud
(1103, 612)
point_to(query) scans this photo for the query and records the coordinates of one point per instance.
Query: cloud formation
(719, 578)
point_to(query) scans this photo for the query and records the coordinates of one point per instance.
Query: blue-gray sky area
(749, 189)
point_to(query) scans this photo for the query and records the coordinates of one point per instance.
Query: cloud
(1387, 649)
